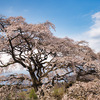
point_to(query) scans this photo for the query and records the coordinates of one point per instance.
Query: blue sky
(77, 19)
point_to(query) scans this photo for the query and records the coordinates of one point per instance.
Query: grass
(58, 92)
(33, 95)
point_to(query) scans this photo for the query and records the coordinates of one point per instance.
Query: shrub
(58, 92)
(32, 94)
(22, 95)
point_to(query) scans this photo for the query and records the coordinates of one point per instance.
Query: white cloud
(93, 34)
(95, 28)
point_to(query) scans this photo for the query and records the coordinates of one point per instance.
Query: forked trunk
(35, 81)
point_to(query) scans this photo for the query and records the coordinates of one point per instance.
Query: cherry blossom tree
(34, 47)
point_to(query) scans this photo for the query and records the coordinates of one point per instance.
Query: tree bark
(35, 81)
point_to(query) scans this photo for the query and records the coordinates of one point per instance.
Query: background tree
(45, 56)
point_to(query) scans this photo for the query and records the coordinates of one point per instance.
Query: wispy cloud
(95, 28)
(9, 10)
(93, 34)
(26, 10)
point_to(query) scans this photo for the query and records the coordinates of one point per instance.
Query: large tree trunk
(35, 81)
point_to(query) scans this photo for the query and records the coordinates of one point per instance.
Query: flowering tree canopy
(34, 47)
